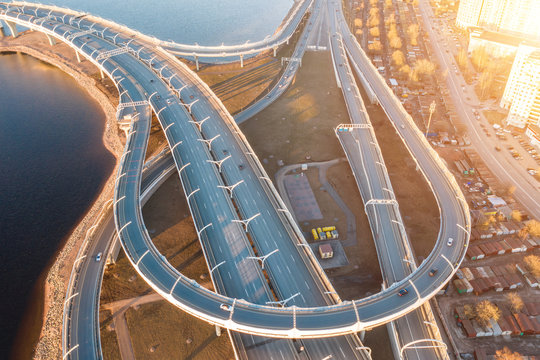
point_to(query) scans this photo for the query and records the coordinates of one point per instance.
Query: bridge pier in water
(12, 28)
(241, 61)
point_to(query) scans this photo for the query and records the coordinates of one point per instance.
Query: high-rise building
(522, 92)
(515, 16)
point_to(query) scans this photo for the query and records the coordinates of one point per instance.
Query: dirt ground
(238, 87)
(162, 331)
(109, 341)
(300, 123)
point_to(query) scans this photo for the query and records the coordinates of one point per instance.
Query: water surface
(206, 22)
(53, 164)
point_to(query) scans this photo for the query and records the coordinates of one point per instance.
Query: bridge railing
(275, 40)
(387, 93)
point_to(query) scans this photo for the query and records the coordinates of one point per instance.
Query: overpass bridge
(175, 108)
(195, 51)
(415, 335)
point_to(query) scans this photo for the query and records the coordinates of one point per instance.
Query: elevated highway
(394, 251)
(175, 109)
(196, 51)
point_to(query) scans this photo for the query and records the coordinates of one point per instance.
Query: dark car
(432, 272)
(403, 292)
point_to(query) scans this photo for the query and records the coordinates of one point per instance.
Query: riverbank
(42, 339)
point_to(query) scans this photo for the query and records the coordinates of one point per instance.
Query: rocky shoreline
(49, 344)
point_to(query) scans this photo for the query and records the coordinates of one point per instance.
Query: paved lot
(302, 198)
(338, 260)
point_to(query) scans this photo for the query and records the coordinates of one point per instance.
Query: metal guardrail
(191, 50)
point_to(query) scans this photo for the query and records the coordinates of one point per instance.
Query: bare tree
(462, 59)
(375, 46)
(374, 31)
(398, 58)
(412, 30)
(480, 58)
(533, 227)
(515, 301)
(533, 264)
(391, 20)
(358, 23)
(395, 43)
(469, 312)
(506, 354)
(373, 20)
(486, 311)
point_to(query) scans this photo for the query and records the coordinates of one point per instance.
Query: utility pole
(431, 111)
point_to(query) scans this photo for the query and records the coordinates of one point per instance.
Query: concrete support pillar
(218, 331)
(362, 335)
(12, 28)
(78, 56)
(52, 40)
(197, 62)
(242, 61)
(275, 51)
(2, 31)
(287, 42)
(114, 251)
(102, 74)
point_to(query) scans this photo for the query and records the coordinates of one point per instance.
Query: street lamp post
(431, 111)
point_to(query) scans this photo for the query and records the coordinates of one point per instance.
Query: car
(169, 101)
(98, 257)
(225, 307)
(151, 80)
(241, 166)
(497, 148)
(433, 271)
(450, 242)
(402, 126)
(403, 292)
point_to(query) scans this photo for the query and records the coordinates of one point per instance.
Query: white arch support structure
(410, 345)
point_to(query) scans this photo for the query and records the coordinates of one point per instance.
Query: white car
(225, 307)
(450, 242)
(98, 257)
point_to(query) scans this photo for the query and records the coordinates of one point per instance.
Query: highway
(394, 250)
(81, 325)
(290, 70)
(201, 179)
(326, 346)
(501, 164)
(272, 42)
